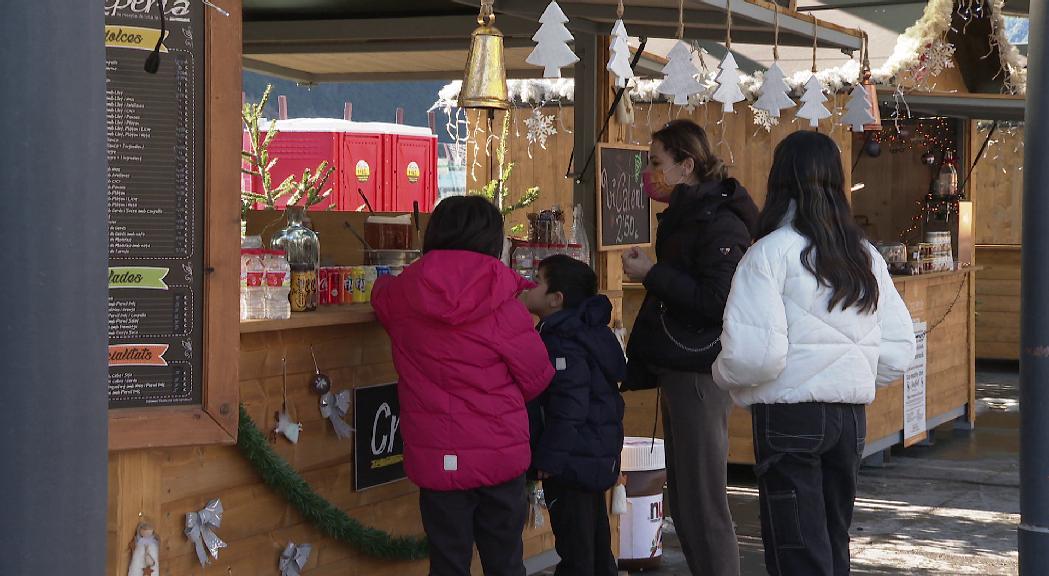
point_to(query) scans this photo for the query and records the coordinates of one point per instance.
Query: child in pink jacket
(469, 358)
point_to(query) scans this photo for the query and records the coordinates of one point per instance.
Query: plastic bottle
(253, 304)
(278, 285)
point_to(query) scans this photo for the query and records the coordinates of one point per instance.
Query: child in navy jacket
(577, 424)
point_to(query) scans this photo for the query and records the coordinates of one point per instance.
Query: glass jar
(303, 251)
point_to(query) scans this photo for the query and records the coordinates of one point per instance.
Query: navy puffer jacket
(577, 424)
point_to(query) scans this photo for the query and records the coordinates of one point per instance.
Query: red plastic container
(413, 174)
(361, 167)
(392, 165)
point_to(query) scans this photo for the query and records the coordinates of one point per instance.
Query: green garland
(280, 476)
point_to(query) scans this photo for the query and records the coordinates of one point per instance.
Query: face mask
(655, 185)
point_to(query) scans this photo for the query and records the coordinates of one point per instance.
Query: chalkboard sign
(378, 450)
(155, 148)
(624, 211)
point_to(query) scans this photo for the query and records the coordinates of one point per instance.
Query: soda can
(335, 285)
(370, 274)
(382, 271)
(359, 284)
(346, 279)
(324, 282)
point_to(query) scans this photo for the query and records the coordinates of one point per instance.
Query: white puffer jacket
(780, 345)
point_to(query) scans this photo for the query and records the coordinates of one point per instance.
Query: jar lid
(641, 455)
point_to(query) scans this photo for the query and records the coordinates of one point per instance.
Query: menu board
(378, 449)
(155, 203)
(624, 211)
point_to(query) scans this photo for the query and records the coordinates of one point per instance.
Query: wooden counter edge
(322, 316)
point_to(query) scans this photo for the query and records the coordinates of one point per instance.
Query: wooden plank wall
(896, 184)
(998, 302)
(997, 187)
(258, 523)
(997, 193)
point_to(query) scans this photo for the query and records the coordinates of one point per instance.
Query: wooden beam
(367, 29)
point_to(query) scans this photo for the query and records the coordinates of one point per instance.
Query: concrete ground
(951, 508)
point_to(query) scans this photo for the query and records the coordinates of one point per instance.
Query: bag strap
(675, 342)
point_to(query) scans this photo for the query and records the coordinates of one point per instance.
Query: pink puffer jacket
(469, 358)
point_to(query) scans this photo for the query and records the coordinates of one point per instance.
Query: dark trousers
(582, 537)
(808, 460)
(492, 517)
(695, 430)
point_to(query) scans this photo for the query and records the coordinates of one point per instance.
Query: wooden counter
(354, 351)
(945, 299)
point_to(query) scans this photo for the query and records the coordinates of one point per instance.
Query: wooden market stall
(193, 392)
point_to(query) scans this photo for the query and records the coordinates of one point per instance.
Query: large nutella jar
(641, 528)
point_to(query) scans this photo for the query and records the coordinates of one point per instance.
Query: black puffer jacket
(577, 424)
(701, 238)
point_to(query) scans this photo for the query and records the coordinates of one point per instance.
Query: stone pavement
(951, 508)
(947, 509)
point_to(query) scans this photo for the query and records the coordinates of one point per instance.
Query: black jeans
(808, 459)
(582, 537)
(493, 517)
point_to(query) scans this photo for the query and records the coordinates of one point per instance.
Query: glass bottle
(302, 248)
(947, 179)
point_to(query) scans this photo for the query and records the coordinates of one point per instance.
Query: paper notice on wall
(914, 391)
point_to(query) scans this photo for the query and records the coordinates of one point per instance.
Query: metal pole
(53, 335)
(585, 130)
(1034, 337)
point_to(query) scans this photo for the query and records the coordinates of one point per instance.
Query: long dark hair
(685, 139)
(807, 170)
(469, 223)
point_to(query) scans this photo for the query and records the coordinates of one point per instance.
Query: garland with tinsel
(280, 476)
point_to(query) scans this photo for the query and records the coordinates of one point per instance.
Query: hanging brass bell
(872, 95)
(484, 82)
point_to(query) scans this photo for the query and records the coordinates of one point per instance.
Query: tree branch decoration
(307, 190)
(497, 188)
(280, 476)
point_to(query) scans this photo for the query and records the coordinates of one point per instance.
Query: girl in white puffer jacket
(813, 324)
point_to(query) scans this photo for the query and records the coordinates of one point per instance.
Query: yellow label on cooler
(413, 172)
(363, 171)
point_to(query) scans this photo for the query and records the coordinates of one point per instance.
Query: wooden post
(347, 111)
(399, 115)
(282, 107)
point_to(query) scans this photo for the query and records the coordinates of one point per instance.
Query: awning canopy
(969, 106)
(345, 40)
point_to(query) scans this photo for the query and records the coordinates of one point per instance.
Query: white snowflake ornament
(619, 55)
(774, 92)
(680, 80)
(540, 127)
(812, 108)
(551, 51)
(858, 109)
(728, 92)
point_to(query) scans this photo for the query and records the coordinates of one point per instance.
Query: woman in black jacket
(701, 238)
